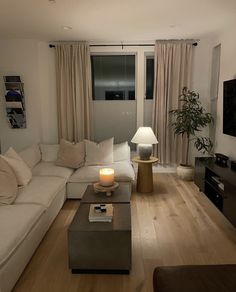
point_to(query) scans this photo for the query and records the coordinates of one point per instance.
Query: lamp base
(145, 151)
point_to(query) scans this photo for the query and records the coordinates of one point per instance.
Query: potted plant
(187, 121)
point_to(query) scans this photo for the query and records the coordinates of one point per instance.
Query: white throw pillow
(99, 154)
(22, 171)
(8, 183)
(49, 152)
(31, 155)
(70, 154)
(121, 152)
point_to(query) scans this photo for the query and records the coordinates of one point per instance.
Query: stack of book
(100, 213)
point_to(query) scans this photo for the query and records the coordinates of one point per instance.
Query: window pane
(149, 77)
(113, 77)
(116, 118)
(147, 117)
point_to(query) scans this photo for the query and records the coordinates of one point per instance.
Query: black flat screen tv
(229, 107)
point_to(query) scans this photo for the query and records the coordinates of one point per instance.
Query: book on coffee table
(100, 213)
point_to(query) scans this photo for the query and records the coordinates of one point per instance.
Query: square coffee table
(121, 195)
(100, 247)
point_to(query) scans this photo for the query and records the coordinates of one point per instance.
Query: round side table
(145, 176)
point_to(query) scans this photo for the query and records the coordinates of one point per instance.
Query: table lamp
(144, 137)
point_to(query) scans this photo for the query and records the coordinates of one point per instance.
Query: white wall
(202, 70)
(48, 93)
(33, 61)
(224, 143)
(201, 80)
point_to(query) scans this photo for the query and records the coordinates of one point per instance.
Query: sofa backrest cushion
(21, 170)
(8, 183)
(70, 154)
(31, 155)
(99, 153)
(121, 152)
(49, 152)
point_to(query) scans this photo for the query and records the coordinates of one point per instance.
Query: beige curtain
(74, 94)
(173, 70)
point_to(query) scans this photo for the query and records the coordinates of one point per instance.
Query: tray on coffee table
(121, 195)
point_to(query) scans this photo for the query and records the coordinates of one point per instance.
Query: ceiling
(114, 20)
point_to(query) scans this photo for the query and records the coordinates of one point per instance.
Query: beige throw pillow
(70, 154)
(22, 171)
(31, 155)
(121, 152)
(49, 152)
(99, 154)
(8, 183)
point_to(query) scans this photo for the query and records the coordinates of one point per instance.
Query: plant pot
(185, 172)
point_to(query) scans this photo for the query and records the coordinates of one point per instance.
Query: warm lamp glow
(144, 137)
(106, 177)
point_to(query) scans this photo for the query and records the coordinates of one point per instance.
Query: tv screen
(229, 108)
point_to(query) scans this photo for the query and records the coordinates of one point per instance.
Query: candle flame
(106, 171)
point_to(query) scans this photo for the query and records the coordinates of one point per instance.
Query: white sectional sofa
(24, 223)
(81, 178)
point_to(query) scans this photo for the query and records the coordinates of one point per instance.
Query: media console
(218, 184)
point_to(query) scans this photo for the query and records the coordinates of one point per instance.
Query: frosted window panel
(148, 107)
(115, 119)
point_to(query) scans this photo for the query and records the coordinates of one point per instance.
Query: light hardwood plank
(174, 225)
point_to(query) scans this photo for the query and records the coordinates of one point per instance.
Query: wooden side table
(145, 176)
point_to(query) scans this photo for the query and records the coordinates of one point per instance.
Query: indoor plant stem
(187, 150)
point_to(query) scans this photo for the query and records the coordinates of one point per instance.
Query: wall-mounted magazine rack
(15, 102)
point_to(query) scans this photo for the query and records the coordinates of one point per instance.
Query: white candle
(106, 177)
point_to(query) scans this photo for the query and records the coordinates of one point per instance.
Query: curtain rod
(124, 45)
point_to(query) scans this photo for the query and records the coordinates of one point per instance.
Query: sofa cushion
(99, 153)
(50, 169)
(121, 152)
(76, 190)
(16, 221)
(41, 190)
(8, 183)
(123, 172)
(70, 154)
(31, 155)
(22, 171)
(49, 152)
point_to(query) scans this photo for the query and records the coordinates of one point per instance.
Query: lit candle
(106, 177)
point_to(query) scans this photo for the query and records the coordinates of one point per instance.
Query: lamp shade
(144, 135)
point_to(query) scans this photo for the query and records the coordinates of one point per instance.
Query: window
(113, 77)
(149, 76)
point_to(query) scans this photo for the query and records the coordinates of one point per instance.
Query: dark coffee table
(121, 195)
(100, 247)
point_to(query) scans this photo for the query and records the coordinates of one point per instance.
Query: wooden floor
(174, 225)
